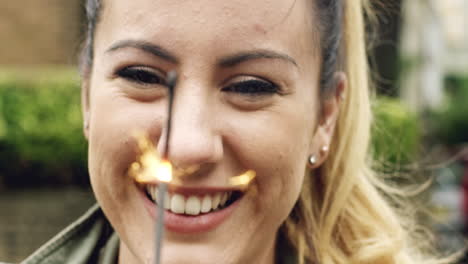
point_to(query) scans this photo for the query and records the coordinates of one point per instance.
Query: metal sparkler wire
(171, 84)
(159, 228)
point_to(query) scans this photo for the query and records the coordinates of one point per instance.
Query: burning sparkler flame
(164, 171)
(243, 180)
(150, 168)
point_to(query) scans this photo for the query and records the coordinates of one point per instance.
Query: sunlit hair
(341, 215)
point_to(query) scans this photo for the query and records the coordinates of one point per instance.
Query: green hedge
(41, 139)
(396, 134)
(450, 122)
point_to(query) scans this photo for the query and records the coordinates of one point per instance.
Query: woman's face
(246, 98)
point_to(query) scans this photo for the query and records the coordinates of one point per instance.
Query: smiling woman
(277, 87)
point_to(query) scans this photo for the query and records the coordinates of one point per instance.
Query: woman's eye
(141, 75)
(252, 87)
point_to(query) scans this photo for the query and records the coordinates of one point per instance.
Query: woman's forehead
(282, 23)
(207, 11)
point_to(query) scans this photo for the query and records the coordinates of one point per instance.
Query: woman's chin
(192, 249)
(177, 253)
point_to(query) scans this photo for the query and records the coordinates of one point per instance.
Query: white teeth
(178, 204)
(206, 204)
(167, 201)
(192, 206)
(224, 198)
(215, 201)
(153, 192)
(156, 195)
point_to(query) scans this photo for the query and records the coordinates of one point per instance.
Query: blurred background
(419, 57)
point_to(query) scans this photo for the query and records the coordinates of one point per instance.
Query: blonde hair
(341, 216)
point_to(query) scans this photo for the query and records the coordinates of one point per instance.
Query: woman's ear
(329, 114)
(85, 106)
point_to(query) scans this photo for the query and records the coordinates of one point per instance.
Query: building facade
(45, 32)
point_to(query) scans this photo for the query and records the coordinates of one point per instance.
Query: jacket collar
(90, 239)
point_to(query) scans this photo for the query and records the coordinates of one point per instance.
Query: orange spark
(150, 168)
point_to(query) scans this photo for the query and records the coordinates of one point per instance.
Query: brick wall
(34, 32)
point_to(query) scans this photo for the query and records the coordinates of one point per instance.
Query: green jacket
(91, 239)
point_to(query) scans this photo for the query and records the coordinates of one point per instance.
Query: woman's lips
(193, 211)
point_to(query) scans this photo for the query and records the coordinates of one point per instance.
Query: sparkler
(151, 168)
(165, 169)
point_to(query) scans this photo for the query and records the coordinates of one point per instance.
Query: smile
(194, 204)
(192, 210)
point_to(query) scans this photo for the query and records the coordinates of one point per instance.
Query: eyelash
(249, 87)
(141, 76)
(253, 87)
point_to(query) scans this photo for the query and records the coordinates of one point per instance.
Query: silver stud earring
(342, 96)
(324, 149)
(312, 160)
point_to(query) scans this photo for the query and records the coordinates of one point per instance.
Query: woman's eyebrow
(145, 46)
(233, 60)
(225, 62)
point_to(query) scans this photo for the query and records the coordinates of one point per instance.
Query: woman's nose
(194, 137)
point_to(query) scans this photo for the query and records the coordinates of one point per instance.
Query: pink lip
(189, 224)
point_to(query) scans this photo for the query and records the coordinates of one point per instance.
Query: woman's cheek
(279, 173)
(115, 120)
